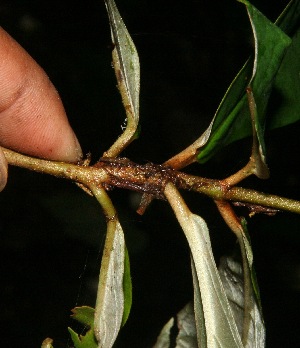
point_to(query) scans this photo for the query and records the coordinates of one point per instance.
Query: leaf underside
(127, 69)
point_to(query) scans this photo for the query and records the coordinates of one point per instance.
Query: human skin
(32, 117)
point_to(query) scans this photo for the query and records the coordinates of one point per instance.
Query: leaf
(288, 21)
(232, 120)
(257, 159)
(114, 288)
(164, 338)
(231, 274)
(127, 288)
(110, 297)
(47, 343)
(270, 47)
(219, 323)
(187, 335)
(253, 331)
(127, 69)
(286, 92)
(227, 305)
(83, 341)
(251, 297)
(84, 315)
(198, 308)
(185, 325)
(249, 255)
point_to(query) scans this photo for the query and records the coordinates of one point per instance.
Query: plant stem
(217, 190)
(240, 194)
(105, 202)
(149, 178)
(79, 173)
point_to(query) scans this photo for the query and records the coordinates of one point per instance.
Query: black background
(52, 233)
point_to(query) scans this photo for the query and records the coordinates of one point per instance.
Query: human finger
(32, 117)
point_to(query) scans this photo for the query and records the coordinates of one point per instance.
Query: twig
(149, 178)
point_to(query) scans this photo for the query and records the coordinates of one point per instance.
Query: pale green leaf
(127, 69)
(252, 328)
(187, 334)
(110, 297)
(164, 338)
(114, 288)
(231, 274)
(220, 327)
(185, 325)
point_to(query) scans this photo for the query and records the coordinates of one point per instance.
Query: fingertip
(3, 171)
(71, 152)
(32, 117)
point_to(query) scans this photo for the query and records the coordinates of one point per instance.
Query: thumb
(3, 171)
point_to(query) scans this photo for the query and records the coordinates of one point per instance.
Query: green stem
(105, 202)
(128, 175)
(217, 189)
(240, 194)
(81, 174)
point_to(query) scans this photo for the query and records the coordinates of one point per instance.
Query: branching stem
(148, 178)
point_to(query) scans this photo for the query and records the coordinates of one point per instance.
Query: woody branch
(148, 178)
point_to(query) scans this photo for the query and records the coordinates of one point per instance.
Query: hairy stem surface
(148, 178)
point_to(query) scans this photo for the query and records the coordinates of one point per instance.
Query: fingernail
(72, 151)
(76, 150)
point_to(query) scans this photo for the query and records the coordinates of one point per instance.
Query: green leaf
(288, 21)
(127, 69)
(219, 324)
(83, 341)
(84, 315)
(286, 92)
(270, 47)
(232, 120)
(110, 297)
(249, 254)
(199, 310)
(127, 288)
